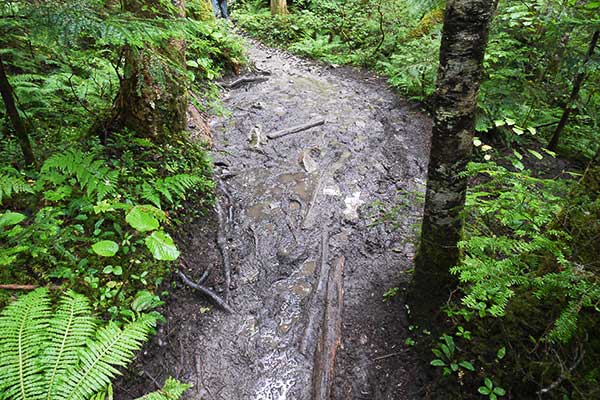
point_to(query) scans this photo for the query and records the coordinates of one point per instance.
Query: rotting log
(331, 332)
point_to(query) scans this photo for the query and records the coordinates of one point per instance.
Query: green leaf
(488, 383)
(517, 154)
(143, 218)
(467, 365)
(438, 363)
(105, 248)
(518, 130)
(454, 367)
(483, 390)
(499, 391)
(11, 218)
(161, 246)
(535, 154)
(501, 353)
(499, 123)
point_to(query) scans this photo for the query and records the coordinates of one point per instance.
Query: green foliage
(62, 353)
(490, 390)
(446, 357)
(11, 183)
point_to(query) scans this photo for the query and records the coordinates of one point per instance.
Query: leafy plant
(63, 352)
(446, 358)
(490, 390)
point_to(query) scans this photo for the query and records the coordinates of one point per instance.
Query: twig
(399, 353)
(563, 374)
(204, 275)
(244, 79)
(206, 291)
(153, 380)
(295, 129)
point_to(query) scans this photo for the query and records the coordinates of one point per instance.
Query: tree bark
(152, 99)
(15, 118)
(464, 39)
(279, 7)
(577, 82)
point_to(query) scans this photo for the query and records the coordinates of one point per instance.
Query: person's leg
(224, 13)
(215, 5)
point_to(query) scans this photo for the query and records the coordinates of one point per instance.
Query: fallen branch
(204, 275)
(243, 80)
(295, 129)
(206, 291)
(222, 244)
(14, 286)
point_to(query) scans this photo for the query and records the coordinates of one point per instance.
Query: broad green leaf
(143, 218)
(105, 248)
(11, 218)
(488, 383)
(438, 363)
(161, 246)
(467, 365)
(499, 391)
(483, 390)
(519, 131)
(518, 155)
(499, 123)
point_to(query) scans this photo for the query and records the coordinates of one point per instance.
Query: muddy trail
(309, 263)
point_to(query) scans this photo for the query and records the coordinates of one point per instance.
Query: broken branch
(295, 129)
(243, 80)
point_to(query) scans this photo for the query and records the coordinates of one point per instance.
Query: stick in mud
(206, 291)
(244, 79)
(295, 129)
(222, 240)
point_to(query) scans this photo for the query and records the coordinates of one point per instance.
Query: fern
(172, 188)
(11, 183)
(91, 174)
(58, 356)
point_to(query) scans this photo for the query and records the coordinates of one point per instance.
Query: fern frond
(71, 325)
(11, 183)
(91, 174)
(114, 347)
(24, 328)
(172, 390)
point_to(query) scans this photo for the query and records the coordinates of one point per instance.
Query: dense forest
(324, 199)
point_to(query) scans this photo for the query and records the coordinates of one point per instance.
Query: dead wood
(207, 292)
(244, 80)
(331, 332)
(314, 307)
(295, 129)
(15, 286)
(222, 242)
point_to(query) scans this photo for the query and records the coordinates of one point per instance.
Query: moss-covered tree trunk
(464, 39)
(152, 99)
(279, 7)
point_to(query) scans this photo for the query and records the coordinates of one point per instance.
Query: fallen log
(295, 129)
(207, 292)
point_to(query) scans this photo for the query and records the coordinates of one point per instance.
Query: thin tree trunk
(577, 82)
(15, 118)
(279, 7)
(152, 98)
(464, 39)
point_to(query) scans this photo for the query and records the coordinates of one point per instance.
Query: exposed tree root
(207, 292)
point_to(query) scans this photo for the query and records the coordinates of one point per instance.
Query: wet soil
(309, 266)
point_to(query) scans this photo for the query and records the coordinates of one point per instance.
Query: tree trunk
(15, 118)
(152, 99)
(577, 82)
(464, 39)
(279, 7)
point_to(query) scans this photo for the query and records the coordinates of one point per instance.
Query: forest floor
(309, 265)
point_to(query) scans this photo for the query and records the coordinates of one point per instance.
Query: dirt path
(309, 268)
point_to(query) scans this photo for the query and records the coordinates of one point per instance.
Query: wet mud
(309, 266)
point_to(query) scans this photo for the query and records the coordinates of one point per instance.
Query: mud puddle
(309, 267)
